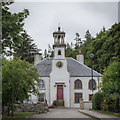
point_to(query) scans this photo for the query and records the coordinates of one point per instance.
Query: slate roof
(45, 67)
(75, 68)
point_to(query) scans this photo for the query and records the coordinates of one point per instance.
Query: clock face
(59, 64)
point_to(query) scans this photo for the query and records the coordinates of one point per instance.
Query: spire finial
(59, 26)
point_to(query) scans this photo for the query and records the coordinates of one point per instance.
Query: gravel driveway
(61, 113)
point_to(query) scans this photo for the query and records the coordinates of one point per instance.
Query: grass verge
(21, 115)
(108, 113)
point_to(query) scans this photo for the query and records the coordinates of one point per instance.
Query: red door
(59, 92)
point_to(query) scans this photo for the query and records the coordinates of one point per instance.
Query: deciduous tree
(19, 79)
(111, 85)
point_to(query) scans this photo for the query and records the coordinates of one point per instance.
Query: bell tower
(59, 76)
(59, 44)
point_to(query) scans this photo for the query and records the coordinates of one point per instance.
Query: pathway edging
(96, 115)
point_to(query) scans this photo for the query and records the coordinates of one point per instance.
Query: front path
(61, 113)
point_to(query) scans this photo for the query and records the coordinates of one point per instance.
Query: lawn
(20, 115)
(108, 113)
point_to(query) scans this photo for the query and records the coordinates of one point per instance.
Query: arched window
(78, 84)
(92, 84)
(41, 85)
(59, 52)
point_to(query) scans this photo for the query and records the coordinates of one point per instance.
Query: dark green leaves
(18, 80)
(12, 27)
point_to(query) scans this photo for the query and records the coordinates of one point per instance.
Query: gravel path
(61, 113)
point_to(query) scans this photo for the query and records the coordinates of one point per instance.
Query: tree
(69, 52)
(78, 41)
(26, 49)
(97, 101)
(45, 54)
(19, 79)
(86, 47)
(49, 50)
(111, 85)
(105, 47)
(12, 27)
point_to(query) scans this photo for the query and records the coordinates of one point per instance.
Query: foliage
(19, 79)
(69, 52)
(45, 53)
(97, 101)
(86, 47)
(49, 50)
(111, 86)
(26, 49)
(78, 41)
(105, 47)
(12, 27)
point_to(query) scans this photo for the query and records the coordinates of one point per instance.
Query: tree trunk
(8, 109)
(12, 105)
(117, 105)
(12, 108)
(3, 109)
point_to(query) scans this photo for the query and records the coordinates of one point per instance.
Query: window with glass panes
(92, 84)
(77, 97)
(41, 97)
(78, 84)
(41, 85)
(90, 97)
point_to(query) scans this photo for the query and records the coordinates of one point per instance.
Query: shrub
(97, 101)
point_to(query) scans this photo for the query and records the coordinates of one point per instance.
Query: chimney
(37, 58)
(80, 57)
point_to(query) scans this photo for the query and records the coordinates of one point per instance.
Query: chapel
(64, 79)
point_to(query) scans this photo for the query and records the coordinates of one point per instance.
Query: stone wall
(31, 107)
(87, 105)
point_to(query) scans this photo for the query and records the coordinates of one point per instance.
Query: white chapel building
(64, 78)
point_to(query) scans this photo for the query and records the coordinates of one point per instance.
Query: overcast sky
(73, 17)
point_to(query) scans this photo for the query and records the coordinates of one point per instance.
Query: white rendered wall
(34, 98)
(56, 56)
(59, 75)
(85, 91)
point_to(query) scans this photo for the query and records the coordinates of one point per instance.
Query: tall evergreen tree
(86, 47)
(45, 53)
(78, 41)
(12, 27)
(26, 50)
